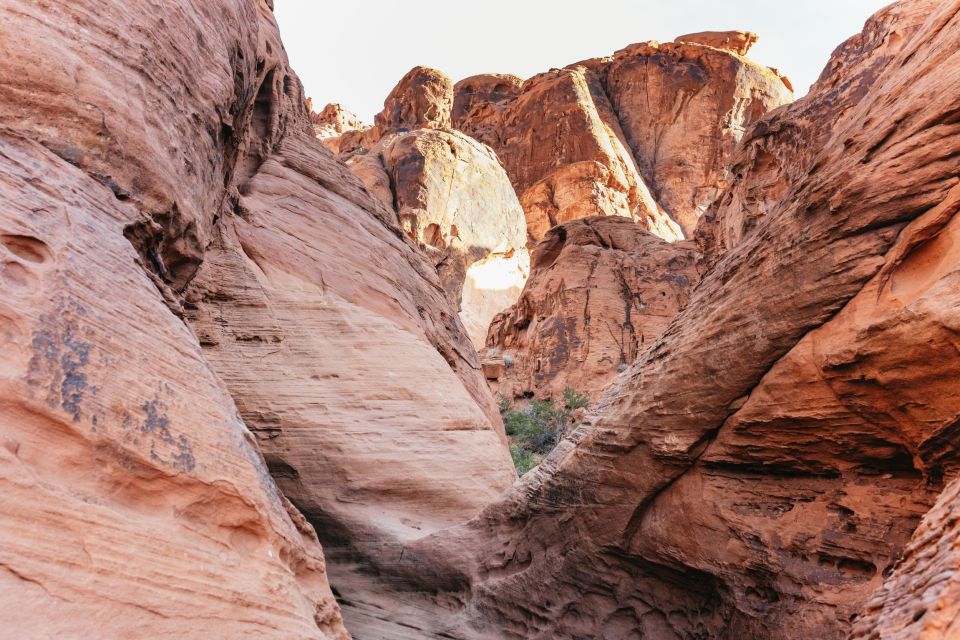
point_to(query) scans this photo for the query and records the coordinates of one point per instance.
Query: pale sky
(354, 51)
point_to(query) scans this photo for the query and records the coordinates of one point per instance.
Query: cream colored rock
(453, 198)
(491, 285)
(332, 122)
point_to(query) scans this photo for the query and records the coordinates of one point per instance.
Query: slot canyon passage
(637, 348)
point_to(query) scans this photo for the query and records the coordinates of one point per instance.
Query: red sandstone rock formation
(601, 290)
(760, 468)
(205, 196)
(449, 194)
(780, 149)
(759, 471)
(334, 121)
(134, 502)
(561, 144)
(645, 133)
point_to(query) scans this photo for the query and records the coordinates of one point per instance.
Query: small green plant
(523, 459)
(539, 427)
(574, 399)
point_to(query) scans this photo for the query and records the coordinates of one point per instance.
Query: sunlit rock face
(645, 133)
(490, 286)
(449, 194)
(332, 123)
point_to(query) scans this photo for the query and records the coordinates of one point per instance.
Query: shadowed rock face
(759, 469)
(601, 291)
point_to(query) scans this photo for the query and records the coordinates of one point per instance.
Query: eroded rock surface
(135, 503)
(561, 144)
(333, 122)
(601, 291)
(779, 151)
(645, 133)
(759, 469)
(449, 194)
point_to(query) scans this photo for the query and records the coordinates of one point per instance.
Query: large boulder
(683, 107)
(422, 99)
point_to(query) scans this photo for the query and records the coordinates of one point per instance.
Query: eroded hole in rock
(26, 247)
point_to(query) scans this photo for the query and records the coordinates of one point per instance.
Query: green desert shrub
(539, 427)
(523, 459)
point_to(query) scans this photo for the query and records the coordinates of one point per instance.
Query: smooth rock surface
(449, 194)
(135, 503)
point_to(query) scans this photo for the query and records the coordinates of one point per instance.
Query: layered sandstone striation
(200, 306)
(601, 290)
(448, 193)
(760, 468)
(645, 133)
(163, 253)
(135, 502)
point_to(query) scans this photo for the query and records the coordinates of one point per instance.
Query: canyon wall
(760, 468)
(601, 290)
(221, 341)
(178, 267)
(135, 501)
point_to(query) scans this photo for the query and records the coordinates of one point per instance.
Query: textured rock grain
(759, 469)
(601, 291)
(645, 133)
(135, 503)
